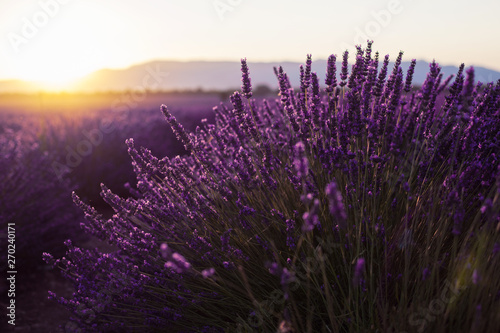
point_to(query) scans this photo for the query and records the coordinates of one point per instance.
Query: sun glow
(63, 49)
(54, 64)
(52, 72)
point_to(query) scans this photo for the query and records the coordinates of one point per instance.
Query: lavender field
(355, 202)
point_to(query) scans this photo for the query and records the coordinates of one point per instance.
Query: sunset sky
(58, 40)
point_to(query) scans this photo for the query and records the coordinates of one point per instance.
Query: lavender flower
(344, 72)
(336, 205)
(178, 263)
(331, 79)
(246, 87)
(409, 75)
(311, 218)
(469, 83)
(165, 251)
(209, 272)
(300, 163)
(285, 276)
(475, 277)
(359, 270)
(177, 128)
(307, 72)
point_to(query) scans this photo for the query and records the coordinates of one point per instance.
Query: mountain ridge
(208, 75)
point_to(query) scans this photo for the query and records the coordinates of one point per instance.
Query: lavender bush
(358, 207)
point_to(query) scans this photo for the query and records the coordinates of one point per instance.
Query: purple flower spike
(274, 268)
(469, 83)
(302, 81)
(311, 218)
(475, 277)
(285, 275)
(409, 75)
(206, 273)
(300, 162)
(337, 209)
(307, 72)
(377, 90)
(246, 87)
(331, 79)
(358, 270)
(165, 251)
(48, 258)
(177, 128)
(178, 263)
(345, 68)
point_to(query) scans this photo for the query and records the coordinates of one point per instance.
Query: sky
(55, 41)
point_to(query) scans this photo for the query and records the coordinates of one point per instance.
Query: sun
(65, 49)
(54, 68)
(55, 75)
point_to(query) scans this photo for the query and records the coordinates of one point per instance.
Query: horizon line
(176, 60)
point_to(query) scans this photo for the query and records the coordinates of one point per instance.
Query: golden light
(54, 64)
(66, 47)
(52, 72)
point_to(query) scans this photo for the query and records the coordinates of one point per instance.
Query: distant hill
(207, 75)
